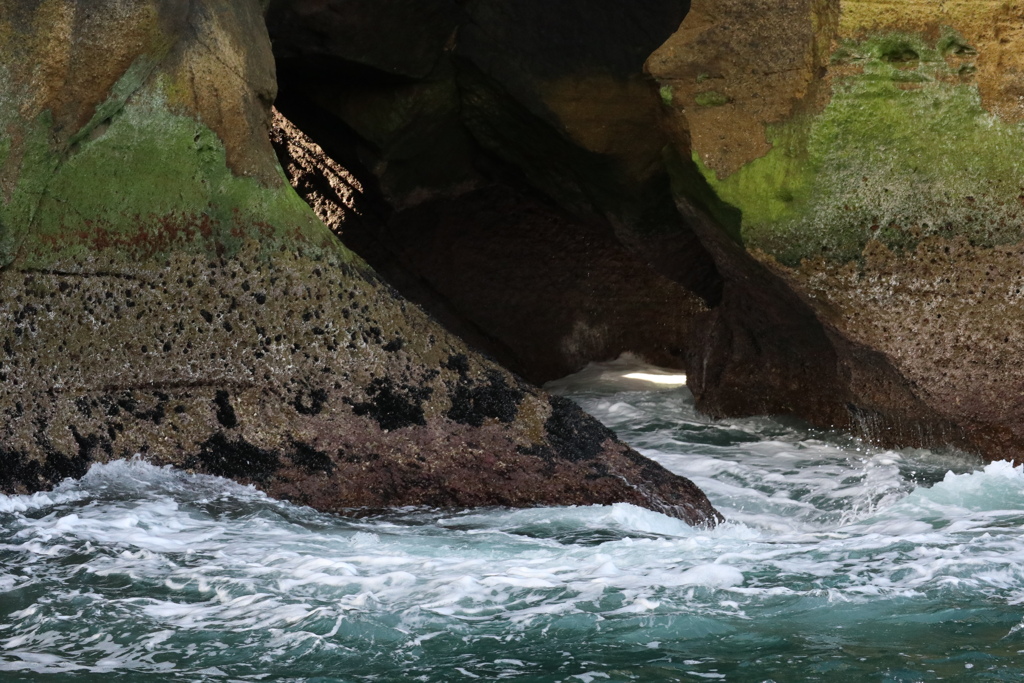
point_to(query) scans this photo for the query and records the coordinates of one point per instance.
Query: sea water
(839, 562)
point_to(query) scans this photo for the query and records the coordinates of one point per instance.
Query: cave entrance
(500, 164)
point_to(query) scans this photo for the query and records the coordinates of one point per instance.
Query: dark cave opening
(474, 199)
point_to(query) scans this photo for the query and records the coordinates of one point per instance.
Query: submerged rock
(858, 179)
(164, 292)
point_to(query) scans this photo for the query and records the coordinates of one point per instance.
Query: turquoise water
(840, 562)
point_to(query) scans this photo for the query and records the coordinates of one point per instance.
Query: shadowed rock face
(863, 203)
(542, 110)
(515, 276)
(401, 39)
(847, 190)
(164, 292)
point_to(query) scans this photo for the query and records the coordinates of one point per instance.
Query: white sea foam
(37, 501)
(145, 571)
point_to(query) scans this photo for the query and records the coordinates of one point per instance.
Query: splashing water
(840, 562)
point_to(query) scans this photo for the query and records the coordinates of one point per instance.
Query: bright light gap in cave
(664, 380)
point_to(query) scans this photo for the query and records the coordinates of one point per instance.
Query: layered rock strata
(164, 292)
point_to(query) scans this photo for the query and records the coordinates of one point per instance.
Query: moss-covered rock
(865, 128)
(164, 292)
(872, 182)
(903, 150)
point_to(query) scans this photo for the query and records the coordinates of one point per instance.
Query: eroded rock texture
(163, 291)
(511, 155)
(859, 185)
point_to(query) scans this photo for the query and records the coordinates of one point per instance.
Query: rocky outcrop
(164, 292)
(859, 186)
(544, 113)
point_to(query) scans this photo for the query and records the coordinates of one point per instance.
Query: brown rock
(163, 295)
(736, 66)
(859, 191)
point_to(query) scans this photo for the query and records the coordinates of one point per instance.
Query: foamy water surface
(840, 562)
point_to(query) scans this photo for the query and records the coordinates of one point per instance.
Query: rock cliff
(164, 292)
(860, 187)
(845, 244)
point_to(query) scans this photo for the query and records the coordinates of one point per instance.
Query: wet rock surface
(163, 294)
(862, 204)
(304, 376)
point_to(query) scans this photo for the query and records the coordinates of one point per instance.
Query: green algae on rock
(862, 196)
(903, 150)
(165, 293)
(155, 182)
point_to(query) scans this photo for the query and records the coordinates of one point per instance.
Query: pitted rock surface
(304, 376)
(856, 175)
(164, 293)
